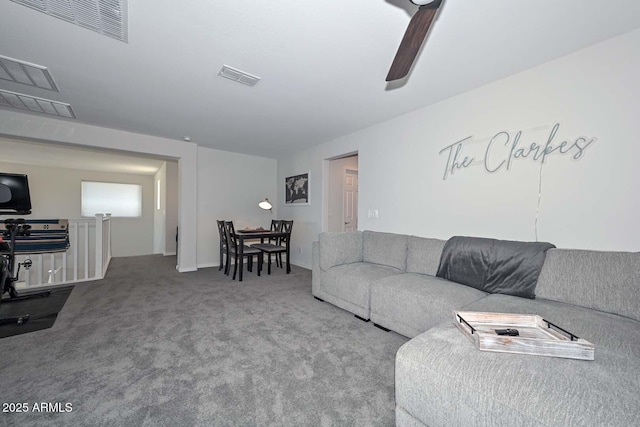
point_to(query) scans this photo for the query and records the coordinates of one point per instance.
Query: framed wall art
(296, 190)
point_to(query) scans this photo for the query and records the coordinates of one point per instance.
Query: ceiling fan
(413, 38)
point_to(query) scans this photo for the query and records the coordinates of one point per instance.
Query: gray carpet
(148, 346)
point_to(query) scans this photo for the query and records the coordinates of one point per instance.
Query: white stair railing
(103, 243)
(86, 259)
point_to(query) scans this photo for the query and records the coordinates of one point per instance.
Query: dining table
(254, 234)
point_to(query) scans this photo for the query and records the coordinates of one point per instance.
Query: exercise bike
(14, 199)
(9, 273)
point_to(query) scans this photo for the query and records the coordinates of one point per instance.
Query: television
(14, 194)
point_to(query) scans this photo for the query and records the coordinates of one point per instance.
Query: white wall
(16, 125)
(591, 203)
(166, 216)
(202, 186)
(171, 206)
(230, 185)
(56, 193)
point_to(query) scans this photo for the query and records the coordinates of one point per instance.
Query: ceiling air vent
(38, 105)
(238, 76)
(22, 72)
(108, 17)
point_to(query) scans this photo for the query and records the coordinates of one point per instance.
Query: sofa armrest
(339, 248)
(315, 269)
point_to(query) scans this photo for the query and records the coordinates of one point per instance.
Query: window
(120, 200)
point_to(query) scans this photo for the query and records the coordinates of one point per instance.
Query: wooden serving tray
(537, 336)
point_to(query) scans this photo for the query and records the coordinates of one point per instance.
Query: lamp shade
(265, 204)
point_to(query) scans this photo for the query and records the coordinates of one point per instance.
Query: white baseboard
(186, 270)
(209, 265)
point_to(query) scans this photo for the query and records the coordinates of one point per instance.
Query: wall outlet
(299, 249)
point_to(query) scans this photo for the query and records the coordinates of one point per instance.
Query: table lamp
(266, 205)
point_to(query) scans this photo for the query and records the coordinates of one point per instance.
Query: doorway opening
(342, 209)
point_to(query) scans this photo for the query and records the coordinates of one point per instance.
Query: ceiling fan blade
(411, 42)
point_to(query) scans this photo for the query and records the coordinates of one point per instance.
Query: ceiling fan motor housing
(427, 4)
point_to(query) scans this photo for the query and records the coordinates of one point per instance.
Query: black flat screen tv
(14, 194)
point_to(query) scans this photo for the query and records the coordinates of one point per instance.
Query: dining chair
(224, 248)
(272, 242)
(234, 250)
(276, 225)
(278, 247)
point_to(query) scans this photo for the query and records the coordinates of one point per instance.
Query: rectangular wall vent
(238, 76)
(21, 101)
(25, 73)
(108, 17)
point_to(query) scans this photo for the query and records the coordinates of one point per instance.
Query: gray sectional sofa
(442, 379)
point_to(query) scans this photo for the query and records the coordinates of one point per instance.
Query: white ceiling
(322, 63)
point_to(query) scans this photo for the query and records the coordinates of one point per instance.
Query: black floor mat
(42, 311)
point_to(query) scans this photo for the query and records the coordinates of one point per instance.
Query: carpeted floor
(148, 346)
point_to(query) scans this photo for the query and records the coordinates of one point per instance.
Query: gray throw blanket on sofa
(494, 266)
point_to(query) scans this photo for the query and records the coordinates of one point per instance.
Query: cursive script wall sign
(505, 148)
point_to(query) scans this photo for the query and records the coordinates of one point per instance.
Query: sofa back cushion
(385, 249)
(423, 255)
(604, 281)
(339, 248)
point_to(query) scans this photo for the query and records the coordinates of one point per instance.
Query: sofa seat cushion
(412, 303)
(351, 283)
(442, 379)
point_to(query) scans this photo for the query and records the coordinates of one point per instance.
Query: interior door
(350, 205)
